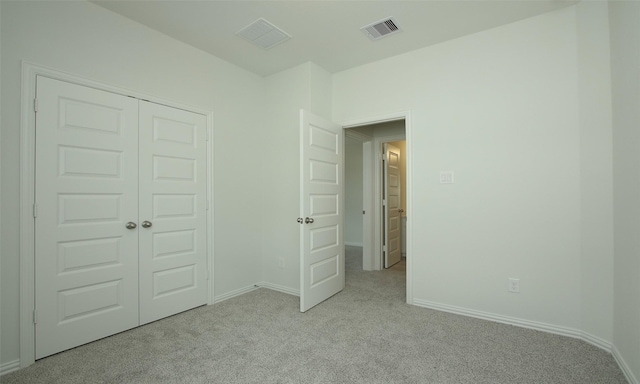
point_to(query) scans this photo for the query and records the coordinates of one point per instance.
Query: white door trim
(27, 190)
(406, 116)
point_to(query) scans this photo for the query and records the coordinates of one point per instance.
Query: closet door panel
(86, 260)
(172, 184)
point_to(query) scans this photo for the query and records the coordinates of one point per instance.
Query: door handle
(146, 224)
(300, 220)
(131, 225)
(400, 210)
(308, 220)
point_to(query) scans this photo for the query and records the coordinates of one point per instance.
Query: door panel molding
(30, 71)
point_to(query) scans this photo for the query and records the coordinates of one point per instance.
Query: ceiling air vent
(263, 34)
(381, 28)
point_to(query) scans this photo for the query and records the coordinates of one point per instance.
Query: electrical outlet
(514, 285)
(281, 263)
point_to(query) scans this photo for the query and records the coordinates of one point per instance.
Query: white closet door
(86, 259)
(173, 261)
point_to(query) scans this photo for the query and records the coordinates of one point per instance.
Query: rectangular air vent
(263, 34)
(381, 28)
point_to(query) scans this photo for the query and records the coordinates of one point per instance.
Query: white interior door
(86, 191)
(173, 205)
(321, 200)
(392, 238)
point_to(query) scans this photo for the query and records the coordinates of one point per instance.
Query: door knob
(300, 220)
(146, 224)
(400, 210)
(131, 225)
(308, 220)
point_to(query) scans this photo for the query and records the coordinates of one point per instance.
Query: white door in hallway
(86, 192)
(392, 251)
(173, 206)
(321, 211)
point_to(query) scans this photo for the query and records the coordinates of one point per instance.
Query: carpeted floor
(365, 334)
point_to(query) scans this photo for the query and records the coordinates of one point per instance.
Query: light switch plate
(514, 285)
(446, 177)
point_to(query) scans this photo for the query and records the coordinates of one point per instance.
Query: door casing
(27, 190)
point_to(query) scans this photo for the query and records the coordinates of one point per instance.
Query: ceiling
(324, 32)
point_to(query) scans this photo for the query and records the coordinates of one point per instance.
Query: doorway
(364, 182)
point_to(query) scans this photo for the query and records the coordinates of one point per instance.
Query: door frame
(371, 223)
(27, 189)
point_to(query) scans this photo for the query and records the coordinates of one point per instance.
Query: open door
(321, 210)
(392, 208)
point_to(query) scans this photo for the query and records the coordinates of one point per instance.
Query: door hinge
(363, 212)
(35, 105)
(35, 210)
(384, 203)
(35, 316)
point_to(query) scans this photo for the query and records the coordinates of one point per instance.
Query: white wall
(517, 112)
(307, 87)
(500, 109)
(83, 39)
(353, 202)
(286, 93)
(624, 18)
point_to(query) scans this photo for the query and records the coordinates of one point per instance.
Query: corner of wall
(320, 91)
(624, 18)
(596, 168)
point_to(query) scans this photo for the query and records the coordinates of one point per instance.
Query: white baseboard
(538, 326)
(279, 288)
(353, 244)
(261, 284)
(9, 367)
(235, 293)
(624, 367)
(596, 341)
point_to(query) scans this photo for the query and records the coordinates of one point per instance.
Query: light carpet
(365, 334)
